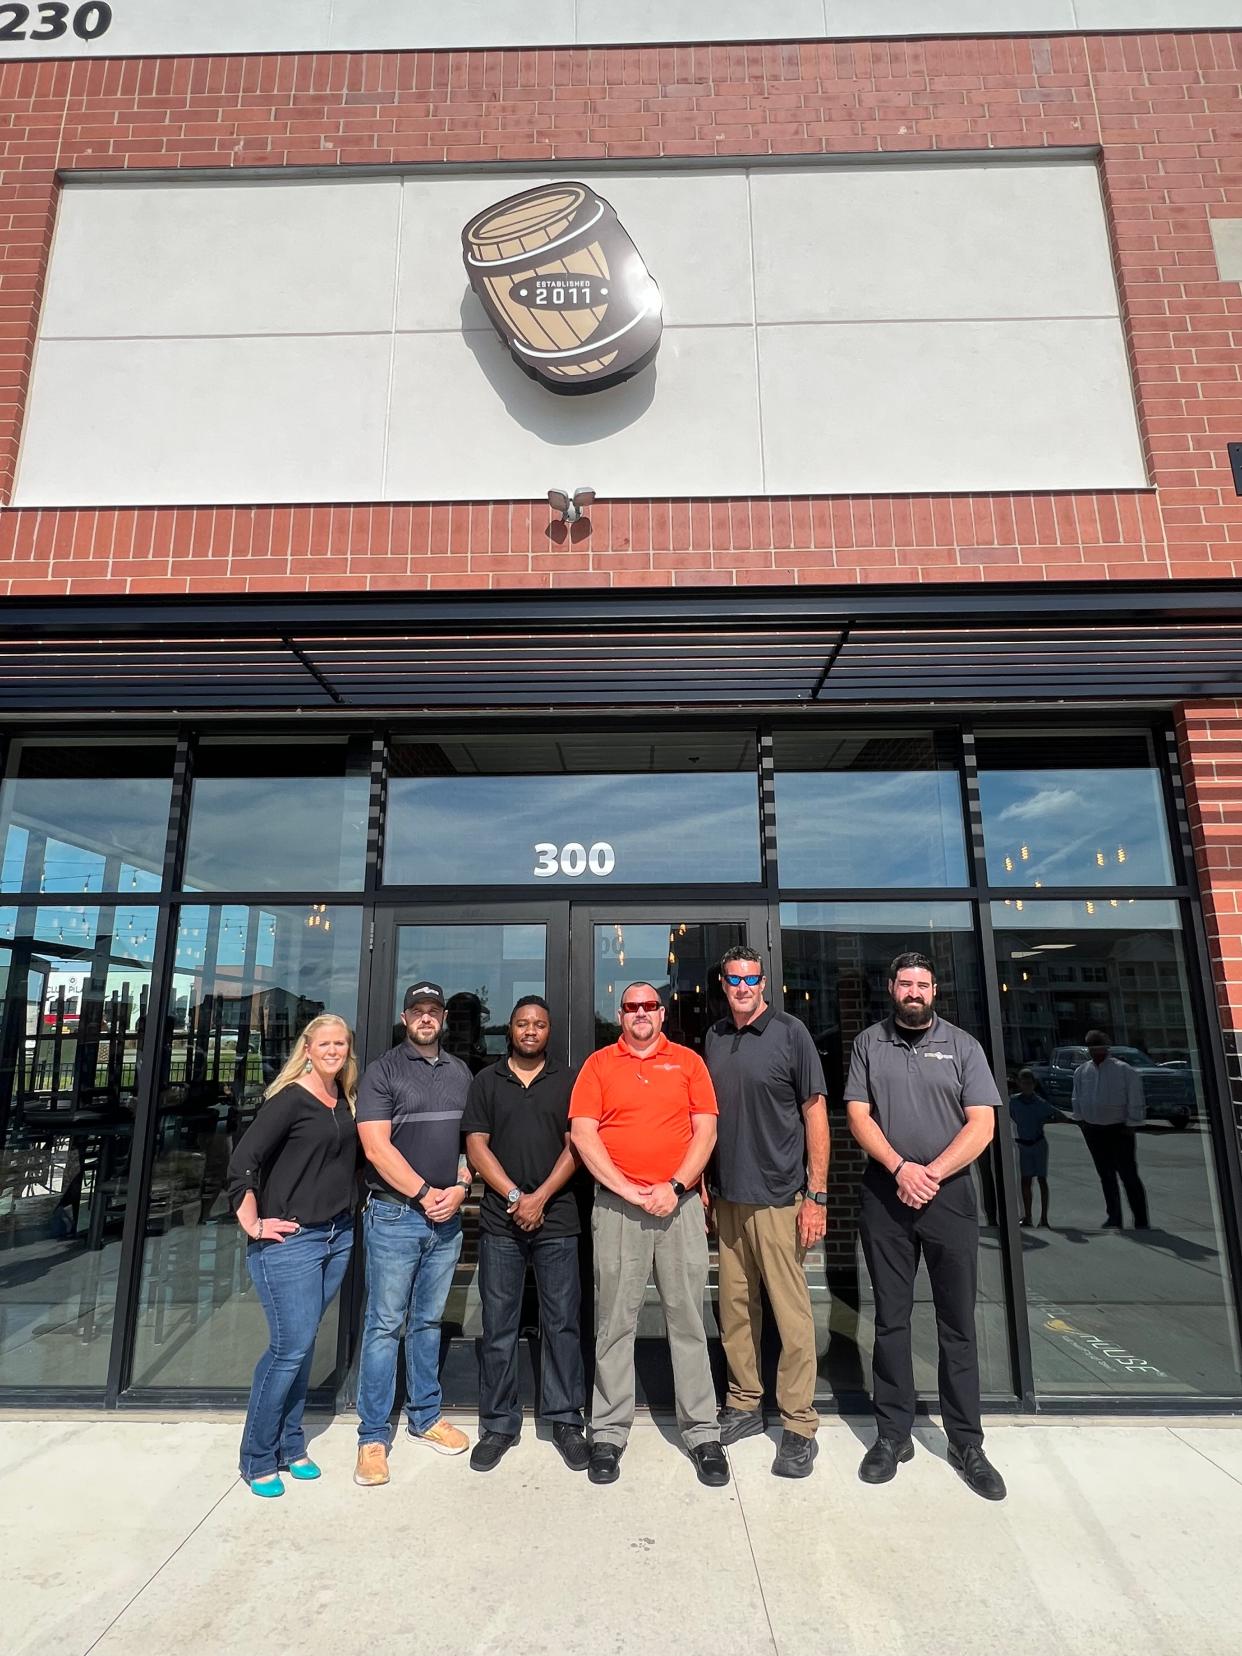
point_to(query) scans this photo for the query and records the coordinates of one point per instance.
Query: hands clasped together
(915, 1185)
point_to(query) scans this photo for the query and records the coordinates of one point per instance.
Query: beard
(419, 1039)
(912, 1016)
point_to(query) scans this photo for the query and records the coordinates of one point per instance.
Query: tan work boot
(372, 1467)
(443, 1438)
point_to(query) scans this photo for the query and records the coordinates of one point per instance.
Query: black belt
(396, 1201)
(1029, 1144)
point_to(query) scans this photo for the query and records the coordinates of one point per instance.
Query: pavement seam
(750, 1547)
(160, 1568)
(1194, 1447)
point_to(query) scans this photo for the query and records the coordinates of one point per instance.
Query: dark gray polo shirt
(919, 1094)
(763, 1073)
(424, 1102)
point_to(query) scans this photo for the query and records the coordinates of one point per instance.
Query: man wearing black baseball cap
(410, 1105)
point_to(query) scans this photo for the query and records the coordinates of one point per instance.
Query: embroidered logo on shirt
(943, 1057)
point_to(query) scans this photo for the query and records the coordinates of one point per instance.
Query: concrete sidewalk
(133, 1537)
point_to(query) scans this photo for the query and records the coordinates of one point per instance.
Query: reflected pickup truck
(1168, 1094)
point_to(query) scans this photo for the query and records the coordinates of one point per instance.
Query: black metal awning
(1155, 642)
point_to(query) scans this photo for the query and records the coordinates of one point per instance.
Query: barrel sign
(564, 287)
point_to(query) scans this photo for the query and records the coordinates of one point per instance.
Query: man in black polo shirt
(410, 1105)
(773, 1121)
(922, 1102)
(517, 1135)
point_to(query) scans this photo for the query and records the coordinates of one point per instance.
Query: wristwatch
(679, 1189)
(514, 1197)
(419, 1194)
(819, 1197)
(466, 1185)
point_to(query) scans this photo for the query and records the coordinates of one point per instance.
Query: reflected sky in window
(1096, 827)
(870, 828)
(484, 830)
(90, 834)
(286, 833)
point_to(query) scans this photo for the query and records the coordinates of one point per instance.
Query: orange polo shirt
(644, 1105)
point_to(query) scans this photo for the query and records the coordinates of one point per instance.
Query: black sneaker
(604, 1465)
(572, 1443)
(736, 1424)
(489, 1450)
(796, 1456)
(879, 1465)
(977, 1471)
(710, 1464)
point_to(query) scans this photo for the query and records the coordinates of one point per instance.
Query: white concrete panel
(844, 244)
(858, 408)
(1158, 14)
(1227, 243)
(468, 424)
(872, 18)
(162, 422)
(365, 25)
(229, 258)
(600, 21)
(691, 228)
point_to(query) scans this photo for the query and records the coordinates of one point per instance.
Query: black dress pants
(895, 1237)
(1113, 1151)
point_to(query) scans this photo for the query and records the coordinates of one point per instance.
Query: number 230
(89, 22)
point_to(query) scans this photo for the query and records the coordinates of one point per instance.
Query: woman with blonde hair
(293, 1180)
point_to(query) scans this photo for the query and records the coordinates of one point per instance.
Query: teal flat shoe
(304, 1470)
(268, 1488)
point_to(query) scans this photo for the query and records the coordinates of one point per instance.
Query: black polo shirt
(423, 1100)
(526, 1128)
(763, 1073)
(919, 1092)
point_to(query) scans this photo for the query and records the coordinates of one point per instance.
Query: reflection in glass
(1142, 1312)
(1073, 811)
(482, 970)
(570, 812)
(859, 810)
(679, 959)
(837, 957)
(246, 981)
(278, 816)
(74, 1011)
(85, 816)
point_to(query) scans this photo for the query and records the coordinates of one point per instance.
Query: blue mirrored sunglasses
(751, 979)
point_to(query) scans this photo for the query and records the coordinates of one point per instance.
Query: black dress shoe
(572, 1443)
(736, 1424)
(488, 1451)
(977, 1471)
(796, 1456)
(710, 1464)
(879, 1465)
(604, 1465)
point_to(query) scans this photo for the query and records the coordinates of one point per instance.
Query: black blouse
(299, 1157)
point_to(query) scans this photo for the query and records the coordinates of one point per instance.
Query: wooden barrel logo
(564, 287)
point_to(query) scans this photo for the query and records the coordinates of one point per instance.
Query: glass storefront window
(836, 958)
(75, 984)
(587, 811)
(276, 815)
(1075, 810)
(1145, 1309)
(680, 959)
(869, 810)
(246, 981)
(85, 816)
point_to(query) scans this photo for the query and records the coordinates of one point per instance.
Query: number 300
(573, 859)
(88, 22)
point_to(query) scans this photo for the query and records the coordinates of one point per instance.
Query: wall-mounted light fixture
(572, 508)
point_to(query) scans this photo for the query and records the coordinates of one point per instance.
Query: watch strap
(819, 1197)
(419, 1194)
(679, 1189)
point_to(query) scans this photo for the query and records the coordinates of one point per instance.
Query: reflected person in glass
(293, 1180)
(1108, 1105)
(517, 1136)
(922, 1102)
(1031, 1113)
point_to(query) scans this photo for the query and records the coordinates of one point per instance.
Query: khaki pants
(629, 1245)
(760, 1245)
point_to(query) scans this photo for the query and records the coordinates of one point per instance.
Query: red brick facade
(1210, 741)
(1164, 110)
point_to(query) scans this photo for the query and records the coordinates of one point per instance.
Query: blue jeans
(502, 1274)
(410, 1265)
(296, 1281)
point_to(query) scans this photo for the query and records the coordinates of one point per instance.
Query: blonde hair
(295, 1065)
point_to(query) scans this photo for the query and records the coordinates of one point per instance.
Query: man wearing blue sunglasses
(768, 1182)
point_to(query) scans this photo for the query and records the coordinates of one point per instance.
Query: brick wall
(1210, 747)
(1165, 110)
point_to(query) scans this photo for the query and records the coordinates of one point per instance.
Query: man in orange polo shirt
(643, 1118)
